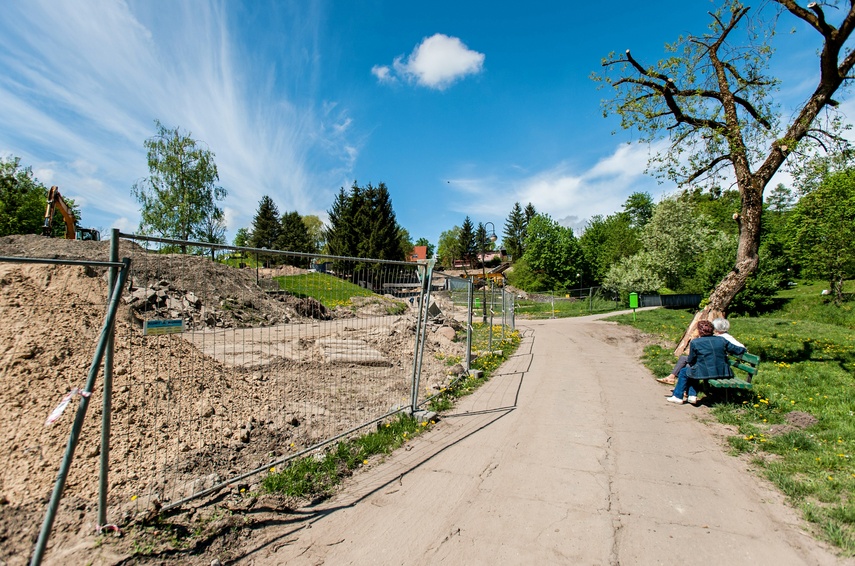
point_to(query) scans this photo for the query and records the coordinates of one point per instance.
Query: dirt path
(569, 456)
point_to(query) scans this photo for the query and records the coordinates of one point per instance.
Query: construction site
(257, 371)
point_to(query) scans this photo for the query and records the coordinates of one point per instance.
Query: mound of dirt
(52, 320)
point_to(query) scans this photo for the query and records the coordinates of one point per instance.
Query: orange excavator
(72, 232)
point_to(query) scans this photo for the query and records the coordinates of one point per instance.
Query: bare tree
(713, 103)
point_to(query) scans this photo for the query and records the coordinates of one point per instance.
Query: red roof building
(418, 253)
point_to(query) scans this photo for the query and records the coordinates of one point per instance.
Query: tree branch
(708, 167)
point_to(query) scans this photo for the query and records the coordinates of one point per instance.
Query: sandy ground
(569, 456)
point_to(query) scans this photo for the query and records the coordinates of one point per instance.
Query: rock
(424, 416)
(447, 333)
(456, 369)
(146, 295)
(312, 308)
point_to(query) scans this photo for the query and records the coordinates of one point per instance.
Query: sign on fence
(156, 327)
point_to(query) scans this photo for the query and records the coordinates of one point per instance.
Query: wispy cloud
(568, 195)
(82, 77)
(437, 62)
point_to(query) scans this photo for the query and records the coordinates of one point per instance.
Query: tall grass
(807, 351)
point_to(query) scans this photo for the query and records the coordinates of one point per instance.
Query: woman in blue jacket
(707, 360)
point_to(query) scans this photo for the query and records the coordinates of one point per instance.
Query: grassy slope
(330, 291)
(807, 348)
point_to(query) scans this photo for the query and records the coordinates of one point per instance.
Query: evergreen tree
(514, 234)
(466, 241)
(265, 225)
(530, 213)
(294, 237)
(363, 224)
(338, 233)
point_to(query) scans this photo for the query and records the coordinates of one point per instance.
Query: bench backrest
(746, 362)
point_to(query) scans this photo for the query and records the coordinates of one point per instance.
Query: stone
(447, 333)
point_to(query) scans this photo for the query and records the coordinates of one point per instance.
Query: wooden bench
(747, 363)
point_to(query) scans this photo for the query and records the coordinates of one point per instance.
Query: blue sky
(461, 108)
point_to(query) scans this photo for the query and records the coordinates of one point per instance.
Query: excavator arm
(55, 202)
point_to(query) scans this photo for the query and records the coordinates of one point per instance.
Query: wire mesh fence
(568, 302)
(228, 363)
(63, 305)
(274, 353)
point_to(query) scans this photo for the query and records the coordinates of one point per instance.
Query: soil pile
(52, 320)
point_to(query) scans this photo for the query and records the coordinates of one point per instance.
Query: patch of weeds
(316, 475)
(396, 307)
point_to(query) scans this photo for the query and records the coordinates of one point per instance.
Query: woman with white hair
(722, 326)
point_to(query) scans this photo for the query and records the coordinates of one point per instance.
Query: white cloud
(83, 84)
(437, 62)
(383, 73)
(568, 195)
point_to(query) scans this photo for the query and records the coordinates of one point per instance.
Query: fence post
(469, 297)
(73, 437)
(504, 316)
(107, 401)
(421, 330)
(490, 334)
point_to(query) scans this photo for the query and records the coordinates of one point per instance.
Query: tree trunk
(747, 260)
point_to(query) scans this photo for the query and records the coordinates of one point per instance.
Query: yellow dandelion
(365, 462)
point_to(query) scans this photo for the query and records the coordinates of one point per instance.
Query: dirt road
(570, 456)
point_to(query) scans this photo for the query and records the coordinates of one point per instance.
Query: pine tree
(363, 224)
(294, 237)
(515, 232)
(467, 241)
(265, 225)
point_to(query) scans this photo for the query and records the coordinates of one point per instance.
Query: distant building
(419, 253)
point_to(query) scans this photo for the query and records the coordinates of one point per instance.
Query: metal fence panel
(53, 312)
(279, 354)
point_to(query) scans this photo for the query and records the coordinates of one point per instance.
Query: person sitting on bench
(721, 326)
(707, 360)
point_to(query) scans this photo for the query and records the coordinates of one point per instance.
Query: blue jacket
(708, 357)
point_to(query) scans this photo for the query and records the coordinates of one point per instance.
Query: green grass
(487, 361)
(316, 476)
(329, 290)
(563, 307)
(807, 351)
